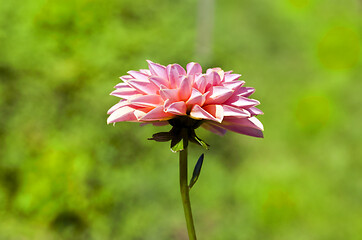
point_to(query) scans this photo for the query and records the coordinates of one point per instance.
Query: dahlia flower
(186, 99)
(159, 94)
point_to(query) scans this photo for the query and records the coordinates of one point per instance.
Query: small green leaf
(197, 170)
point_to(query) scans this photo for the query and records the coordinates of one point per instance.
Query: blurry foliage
(339, 48)
(65, 174)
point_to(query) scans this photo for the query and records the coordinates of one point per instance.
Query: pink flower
(160, 93)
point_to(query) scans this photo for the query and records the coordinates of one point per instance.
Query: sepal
(161, 137)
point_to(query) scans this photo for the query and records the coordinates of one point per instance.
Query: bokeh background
(65, 174)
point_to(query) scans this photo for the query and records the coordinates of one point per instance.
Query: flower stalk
(185, 195)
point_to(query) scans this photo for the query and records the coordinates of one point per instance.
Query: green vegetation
(65, 174)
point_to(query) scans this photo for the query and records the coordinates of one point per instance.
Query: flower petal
(157, 114)
(174, 72)
(215, 110)
(122, 114)
(126, 78)
(193, 68)
(213, 77)
(124, 93)
(147, 101)
(171, 94)
(234, 85)
(235, 112)
(254, 111)
(245, 130)
(196, 98)
(159, 81)
(251, 122)
(145, 71)
(177, 108)
(231, 77)
(198, 112)
(122, 103)
(122, 85)
(138, 75)
(201, 83)
(219, 95)
(185, 88)
(245, 91)
(213, 128)
(157, 69)
(140, 114)
(239, 101)
(143, 86)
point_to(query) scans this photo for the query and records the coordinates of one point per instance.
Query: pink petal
(196, 98)
(239, 101)
(157, 69)
(245, 130)
(213, 128)
(255, 111)
(200, 83)
(198, 113)
(124, 93)
(231, 77)
(216, 111)
(143, 86)
(167, 103)
(147, 101)
(180, 69)
(171, 94)
(126, 78)
(122, 103)
(138, 75)
(157, 114)
(185, 88)
(145, 71)
(251, 122)
(159, 81)
(193, 68)
(122, 85)
(213, 77)
(219, 71)
(235, 112)
(177, 108)
(122, 114)
(234, 85)
(221, 74)
(174, 72)
(245, 91)
(210, 70)
(219, 95)
(140, 113)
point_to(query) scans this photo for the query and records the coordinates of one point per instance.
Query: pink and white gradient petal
(214, 128)
(157, 114)
(122, 114)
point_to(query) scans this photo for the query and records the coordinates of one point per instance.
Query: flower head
(216, 100)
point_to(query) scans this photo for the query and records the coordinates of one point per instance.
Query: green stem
(185, 195)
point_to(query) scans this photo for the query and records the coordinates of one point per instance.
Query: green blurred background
(65, 174)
